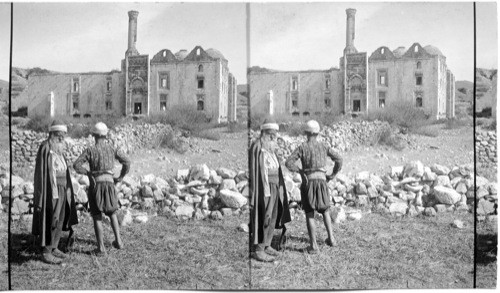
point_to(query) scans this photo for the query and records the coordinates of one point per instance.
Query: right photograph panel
(362, 147)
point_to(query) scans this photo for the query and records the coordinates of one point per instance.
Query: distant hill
(4, 95)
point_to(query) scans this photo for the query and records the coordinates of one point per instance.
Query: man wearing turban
(54, 199)
(268, 197)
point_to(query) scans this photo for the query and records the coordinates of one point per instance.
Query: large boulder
(16, 180)
(232, 199)
(446, 195)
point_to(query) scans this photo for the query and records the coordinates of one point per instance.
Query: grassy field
(377, 252)
(160, 254)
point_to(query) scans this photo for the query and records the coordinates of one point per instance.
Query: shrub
(182, 117)
(168, 140)
(403, 114)
(39, 123)
(387, 137)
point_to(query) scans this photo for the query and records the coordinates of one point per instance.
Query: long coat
(42, 198)
(257, 215)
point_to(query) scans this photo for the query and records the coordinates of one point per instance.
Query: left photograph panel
(129, 144)
(5, 21)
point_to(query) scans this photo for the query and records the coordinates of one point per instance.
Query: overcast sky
(301, 36)
(289, 36)
(5, 40)
(81, 37)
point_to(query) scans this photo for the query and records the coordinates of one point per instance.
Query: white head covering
(270, 124)
(58, 125)
(100, 129)
(312, 126)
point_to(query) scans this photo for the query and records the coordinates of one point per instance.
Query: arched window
(108, 86)
(305, 113)
(419, 65)
(198, 52)
(295, 113)
(164, 53)
(416, 49)
(382, 51)
(75, 86)
(200, 68)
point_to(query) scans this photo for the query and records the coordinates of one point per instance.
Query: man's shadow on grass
(24, 247)
(291, 238)
(487, 247)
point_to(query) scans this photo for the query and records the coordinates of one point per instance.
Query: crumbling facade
(199, 79)
(363, 83)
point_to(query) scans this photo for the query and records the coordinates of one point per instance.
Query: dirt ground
(229, 152)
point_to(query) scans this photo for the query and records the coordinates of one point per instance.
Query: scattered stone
(226, 212)
(398, 208)
(458, 224)
(354, 216)
(199, 172)
(430, 212)
(244, 228)
(184, 211)
(440, 170)
(124, 217)
(216, 215)
(141, 219)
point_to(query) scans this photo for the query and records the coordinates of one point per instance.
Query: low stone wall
(200, 193)
(411, 190)
(486, 148)
(128, 137)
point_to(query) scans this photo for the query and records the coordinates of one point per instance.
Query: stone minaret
(132, 33)
(349, 47)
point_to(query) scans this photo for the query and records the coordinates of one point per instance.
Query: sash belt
(273, 178)
(316, 175)
(61, 180)
(104, 178)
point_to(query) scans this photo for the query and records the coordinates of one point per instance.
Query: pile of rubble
(411, 190)
(342, 136)
(198, 193)
(486, 148)
(128, 137)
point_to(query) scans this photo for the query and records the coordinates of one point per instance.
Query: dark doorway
(356, 106)
(137, 108)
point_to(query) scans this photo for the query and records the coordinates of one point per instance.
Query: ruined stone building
(199, 79)
(418, 75)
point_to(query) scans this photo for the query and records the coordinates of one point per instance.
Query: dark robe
(257, 215)
(42, 198)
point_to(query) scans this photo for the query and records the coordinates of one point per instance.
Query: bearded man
(54, 199)
(268, 197)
